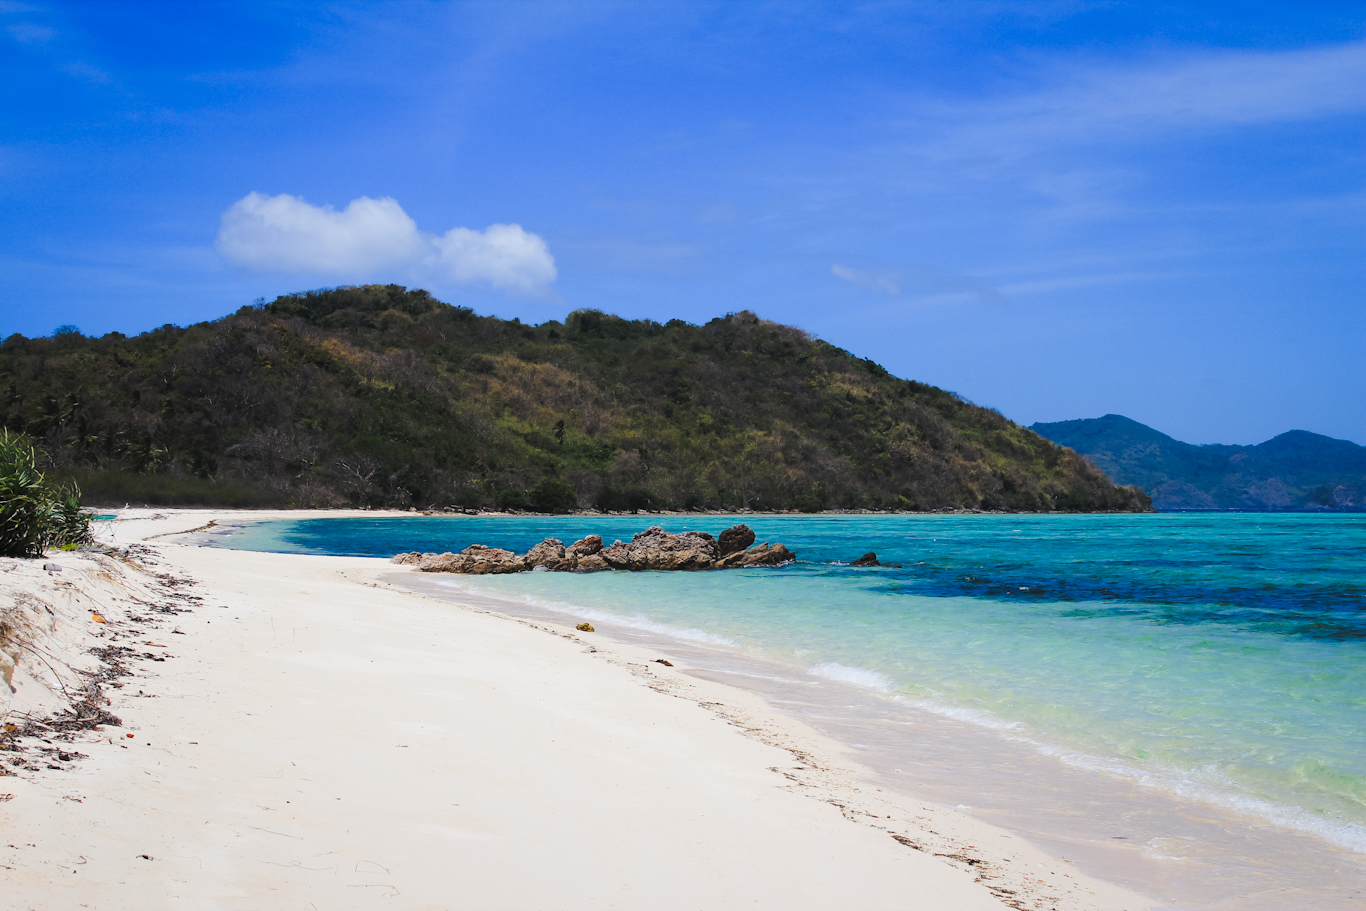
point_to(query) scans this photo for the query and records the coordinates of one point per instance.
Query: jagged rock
(477, 560)
(593, 563)
(760, 555)
(548, 553)
(733, 540)
(434, 563)
(584, 548)
(484, 552)
(421, 560)
(655, 548)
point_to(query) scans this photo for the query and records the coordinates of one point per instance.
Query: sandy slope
(315, 738)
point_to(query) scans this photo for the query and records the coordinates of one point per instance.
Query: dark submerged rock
(868, 559)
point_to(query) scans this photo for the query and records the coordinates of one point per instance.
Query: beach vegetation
(35, 514)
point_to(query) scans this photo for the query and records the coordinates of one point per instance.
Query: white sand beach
(306, 735)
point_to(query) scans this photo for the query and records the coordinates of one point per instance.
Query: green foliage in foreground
(35, 515)
(381, 396)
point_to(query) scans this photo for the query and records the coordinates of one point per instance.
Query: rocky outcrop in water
(652, 549)
(585, 548)
(870, 559)
(655, 548)
(549, 553)
(760, 555)
(734, 539)
(475, 560)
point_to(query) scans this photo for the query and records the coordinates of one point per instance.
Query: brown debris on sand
(652, 549)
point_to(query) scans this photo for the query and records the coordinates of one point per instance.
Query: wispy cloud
(918, 283)
(930, 287)
(28, 33)
(87, 72)
(1067, 282)
(372, 237)
(880, 282)
(1085, 104)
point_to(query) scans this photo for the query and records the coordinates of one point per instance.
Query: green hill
(382, 396)
(1296, 470)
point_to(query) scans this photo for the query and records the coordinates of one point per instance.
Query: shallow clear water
(1221, 657)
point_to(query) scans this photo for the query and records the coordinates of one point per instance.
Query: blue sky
(1056, 209)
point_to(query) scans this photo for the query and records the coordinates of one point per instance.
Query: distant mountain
(1296, 470)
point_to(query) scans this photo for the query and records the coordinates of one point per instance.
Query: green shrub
(34, 514)
(554, 496)
(509, 498)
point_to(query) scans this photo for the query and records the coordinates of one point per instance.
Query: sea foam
(855, 675)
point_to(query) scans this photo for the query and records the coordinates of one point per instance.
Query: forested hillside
(382, 396)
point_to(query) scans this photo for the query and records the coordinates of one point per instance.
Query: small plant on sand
(34, 514)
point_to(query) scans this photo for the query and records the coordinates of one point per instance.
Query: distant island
(1296, 470)
(381, 396)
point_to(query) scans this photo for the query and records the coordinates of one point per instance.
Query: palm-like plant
(34, 515)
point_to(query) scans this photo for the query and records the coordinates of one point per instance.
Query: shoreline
(1197, 837)
(475, 513)
(1072, 806)
(441, 765)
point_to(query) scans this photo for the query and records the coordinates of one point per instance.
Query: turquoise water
(1220, 657)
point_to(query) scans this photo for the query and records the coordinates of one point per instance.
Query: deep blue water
(1224, 654)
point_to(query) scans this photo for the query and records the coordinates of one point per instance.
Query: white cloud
(374, 237)
(505, 256)
(285, 234)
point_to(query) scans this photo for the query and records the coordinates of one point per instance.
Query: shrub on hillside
(34, 514)
(554, 496)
